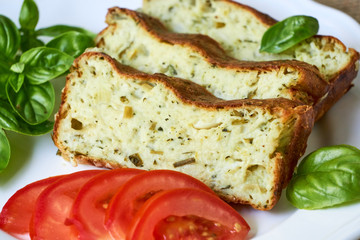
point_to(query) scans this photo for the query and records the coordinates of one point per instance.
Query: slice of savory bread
(113, 116)
(239, 28)
(143, 42)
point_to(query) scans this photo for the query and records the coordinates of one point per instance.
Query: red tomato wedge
(134, 193)
(16, 214)
(187, 214)
(54, 205)
(88, 212)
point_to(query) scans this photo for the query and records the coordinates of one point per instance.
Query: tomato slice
(54, 205)
(88, 212)
(139, 189)
(16, 214)
(187, 214)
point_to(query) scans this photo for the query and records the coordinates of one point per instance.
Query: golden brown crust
(310, 80)
(297, 147)
(191, 93)
(264, 18)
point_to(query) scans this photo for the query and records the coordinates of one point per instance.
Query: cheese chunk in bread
(115, 116)
(239, 29)
(143, 43)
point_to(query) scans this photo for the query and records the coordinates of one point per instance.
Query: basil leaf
(9, 37)
(16, 81)
(9, 120)
(72, 43)
(43, 64)
(315, 159)
(287, 33)
(29, 41)
(34, 103)
(56, 30)
(326, 177)
(17, 67)
(334, 182)
(29, 15)
(4, 150)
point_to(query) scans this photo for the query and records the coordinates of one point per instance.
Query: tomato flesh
(17, 212)
(133, 194)
(91, 203)
(54, 205)
(190, 227)
(212, 215)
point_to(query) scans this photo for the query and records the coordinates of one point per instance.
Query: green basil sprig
(326, 177)
(287, 33)
(27, 65)
(28, 19)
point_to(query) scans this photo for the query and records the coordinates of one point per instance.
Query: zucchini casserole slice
(114, 116)
(142, 42)
(239, 28)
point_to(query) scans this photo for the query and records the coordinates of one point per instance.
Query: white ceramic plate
(34, 158)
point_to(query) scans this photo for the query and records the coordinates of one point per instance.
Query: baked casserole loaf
(239, 29)
(142, 42)
(112, 115)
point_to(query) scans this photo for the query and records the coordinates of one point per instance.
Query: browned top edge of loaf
(264, 18)
(192, 93)
(310, 80)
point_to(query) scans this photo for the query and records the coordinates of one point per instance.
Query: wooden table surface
(351, 7)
